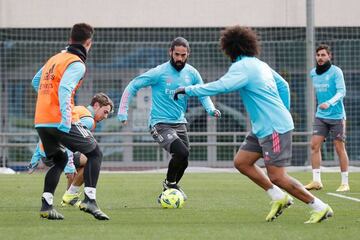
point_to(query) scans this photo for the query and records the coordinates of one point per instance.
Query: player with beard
(266, 97)
(167, 121)
(330, 117)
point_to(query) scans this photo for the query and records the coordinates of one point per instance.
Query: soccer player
(267, 100)
(330, 117)
(56, 84)
(99, 109)
(167, 117)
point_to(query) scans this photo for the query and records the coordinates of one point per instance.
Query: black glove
(178, 91)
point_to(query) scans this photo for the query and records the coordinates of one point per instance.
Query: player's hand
(216, 113)
(178, 91)
(32, 167)
(324, 106)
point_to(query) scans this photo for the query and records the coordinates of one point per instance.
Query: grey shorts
(333, 127)
(276, 148)
(164, 134)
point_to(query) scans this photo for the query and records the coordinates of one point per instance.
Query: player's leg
(57, 154)
(320, 131)
(79, 179)
(244, 162)
(338, 133)
(72, 194)
(80, 139)
(245, 159)
(167, 137)
(91, 176)
(70, 170)
(182, 133)
(179, 161)
(250, 151)
(277, 150)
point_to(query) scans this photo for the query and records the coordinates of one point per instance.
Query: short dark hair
(180, 41)
(325, 47)
(236, 41)
(103, 100)
(81, 32)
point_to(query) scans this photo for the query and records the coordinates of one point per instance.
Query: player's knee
(95, 154)
(179, 149)
(339, 145)
(315, 148)
(185, 163)
(276, 179)
(60, 159)
(239, 165)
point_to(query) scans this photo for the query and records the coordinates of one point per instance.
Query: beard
(320, 69)
(178, 65)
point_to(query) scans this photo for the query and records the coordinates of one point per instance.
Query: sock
(73, 189)
(344, 177)
(49, 198)
(90, 192)
(169, 183)
(317, 205)
(275, 193)
(317, 175)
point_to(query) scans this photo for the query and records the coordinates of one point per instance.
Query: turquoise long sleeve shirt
(164, 80)
(330, 88)
(265, 94)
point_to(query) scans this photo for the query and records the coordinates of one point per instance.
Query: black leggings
(92, 167)
(179, 161)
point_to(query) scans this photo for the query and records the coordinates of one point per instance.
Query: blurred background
(133, 36)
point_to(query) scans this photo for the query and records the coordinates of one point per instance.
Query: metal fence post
(310, 49)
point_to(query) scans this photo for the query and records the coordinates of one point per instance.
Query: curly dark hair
(236, 41)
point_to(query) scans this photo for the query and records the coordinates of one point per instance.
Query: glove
(178, 91)
(216, 113)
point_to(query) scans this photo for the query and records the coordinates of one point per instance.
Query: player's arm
(35, 159)
(233, 80)
(71, 77)
(88, 122)
(340, 89)
(206, 101)
(283, 89)
(146, 79)
(36, 80)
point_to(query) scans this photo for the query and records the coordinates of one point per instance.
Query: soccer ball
(172, 198)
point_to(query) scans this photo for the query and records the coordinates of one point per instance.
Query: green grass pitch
(220, 206)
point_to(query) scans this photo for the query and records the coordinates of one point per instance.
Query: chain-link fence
(118, 55)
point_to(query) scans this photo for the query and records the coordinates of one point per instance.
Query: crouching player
(100, 107)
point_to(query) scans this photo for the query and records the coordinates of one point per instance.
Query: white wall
(170, 13)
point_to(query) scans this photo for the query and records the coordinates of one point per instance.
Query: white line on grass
(342, 196)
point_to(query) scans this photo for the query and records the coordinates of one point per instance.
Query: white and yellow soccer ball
(172, 198)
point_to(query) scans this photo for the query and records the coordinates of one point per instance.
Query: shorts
(333, 127)
(79, 139)
(165, 134)
(276, 148)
